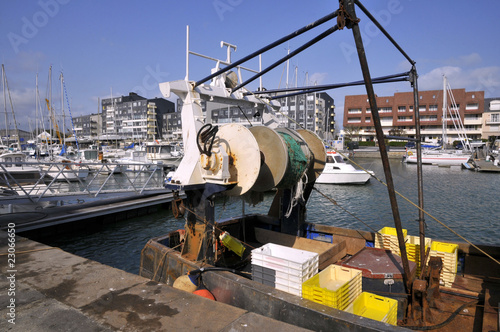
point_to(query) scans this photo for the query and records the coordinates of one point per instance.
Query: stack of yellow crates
(336, 286)
(449, 254)
(387, 238)
(375, 307)
(413, 249)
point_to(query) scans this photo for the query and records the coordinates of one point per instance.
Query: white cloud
(485, 79)
(318, 78)
(464, 60)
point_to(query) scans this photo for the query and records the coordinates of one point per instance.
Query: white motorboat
(163, 152)
(337, 171)
(14, 169)
(63, 169)
(134, 160)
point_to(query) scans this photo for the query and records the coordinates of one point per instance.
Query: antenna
(229, 47)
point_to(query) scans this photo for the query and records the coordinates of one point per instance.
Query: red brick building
(396, 112)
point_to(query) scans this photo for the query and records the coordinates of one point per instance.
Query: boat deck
(58, 291)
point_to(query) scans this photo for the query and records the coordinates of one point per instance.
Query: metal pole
(187, 53)
(270, 46)
(294, 53)
(420, 183)
(349, 6)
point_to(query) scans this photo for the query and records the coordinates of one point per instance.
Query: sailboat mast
(445, 107)
(5, 106)
(36, 111)
(6, 86)
(62, 111)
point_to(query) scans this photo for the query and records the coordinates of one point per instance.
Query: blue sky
(124, 46)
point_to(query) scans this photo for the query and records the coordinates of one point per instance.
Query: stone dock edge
(44, 288)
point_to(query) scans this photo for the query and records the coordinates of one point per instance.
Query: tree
(351, 132)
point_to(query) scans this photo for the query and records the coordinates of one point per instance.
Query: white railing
(58, 179)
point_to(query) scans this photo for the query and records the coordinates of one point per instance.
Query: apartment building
(87, 126)
(134, 117)
(314, 111)
(491, 118)
(397, 114)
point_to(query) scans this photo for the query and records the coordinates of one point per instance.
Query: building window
(405, 118)
(385, 110)
(354, 111)
(495, 118)
(429, 118)
(421, 108)
(401, 109)
(433, 108)
(474, 106)
(354, 120)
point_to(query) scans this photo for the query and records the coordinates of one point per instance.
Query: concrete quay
(46, 289)
(373, 152)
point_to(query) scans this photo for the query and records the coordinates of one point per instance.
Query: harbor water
(463, 200)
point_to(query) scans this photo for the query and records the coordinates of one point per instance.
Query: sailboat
(442, 156)
(14, 170)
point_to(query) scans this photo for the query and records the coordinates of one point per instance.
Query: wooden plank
(368, 236)
(491, 299)
(329, 253)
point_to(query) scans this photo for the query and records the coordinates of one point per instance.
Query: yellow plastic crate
(336, 286)
(450, 248)
(382, 309)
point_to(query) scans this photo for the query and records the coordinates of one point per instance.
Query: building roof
(492, 104)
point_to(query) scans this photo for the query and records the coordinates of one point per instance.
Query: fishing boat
(337, 171)
(263, 263)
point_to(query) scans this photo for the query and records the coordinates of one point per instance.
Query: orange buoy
(204, 293)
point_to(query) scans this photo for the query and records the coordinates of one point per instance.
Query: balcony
(477, 122)
(493, 120)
